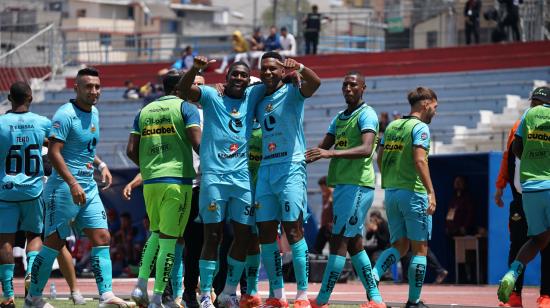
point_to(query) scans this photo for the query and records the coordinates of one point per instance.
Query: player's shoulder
(66, 109)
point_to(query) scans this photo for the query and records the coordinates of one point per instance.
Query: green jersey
(348, 130)
(398, 168)
(255, 153)
(165, 152)
(534, 129)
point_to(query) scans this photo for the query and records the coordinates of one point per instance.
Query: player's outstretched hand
(79, 196)
(289, 64)
(127, 192)
(220, 88)
(106, 178)
(315, 154)
(498, 198)
(201, 62)
(431, 204)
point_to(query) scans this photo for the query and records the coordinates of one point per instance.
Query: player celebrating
(353, 134)
(71, 192)
(410, 197)
(164, 134)
(532, 144)
(225, 179)
(281, 188)
(22, 134)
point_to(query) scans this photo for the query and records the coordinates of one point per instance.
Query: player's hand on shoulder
(431, 204)
(201, 62)
(220, 88)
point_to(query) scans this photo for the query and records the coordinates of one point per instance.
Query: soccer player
(410, 197)
(225, 179)
(281, 189)
(22, 134)
(532, 145)
(164, 135)
(353, 134)
(71, 193)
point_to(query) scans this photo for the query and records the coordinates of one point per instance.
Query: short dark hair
(284, 29)
(170, 81)
(272, 55)
(314, 7)
(356, 73)
(232, 66)
(19, 92)
(420, 94)
(88, 71)
(322, 180)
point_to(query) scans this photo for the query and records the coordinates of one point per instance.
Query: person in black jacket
(471, 19)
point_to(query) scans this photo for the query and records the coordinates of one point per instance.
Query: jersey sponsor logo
(341, 142)
(276, 155)
(424, 136)
(89, 166)
(234, 124)
(235, 112)
(393, 146)
(269, 108)
(93, 128)
(538, 136)
(269, 123)
(159, 109)
(160, 121)
(8, 186)
(538, 154)
(271, 146)
(56, 124)
(21, 127)
(159, 148)
(254, 156)
(212, 206)
(167, 129)
(233, 147)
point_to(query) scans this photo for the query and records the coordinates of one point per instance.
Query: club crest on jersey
(272, 146)
(268, 108)
(235, 112)
(233, 147)
(212, 207)
(56, 124)
(424, 136)
(89, 166)
(92, 128)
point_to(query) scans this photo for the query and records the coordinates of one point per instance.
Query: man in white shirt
(288, 42)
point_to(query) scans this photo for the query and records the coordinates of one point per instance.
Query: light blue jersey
(79, 130)
(21, 169)
(281, 116)
(226, 129)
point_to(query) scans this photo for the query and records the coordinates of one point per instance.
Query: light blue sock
(177, 272)
(331, 275)
(300, 262)
(31, 255)
(417, 271)
(362, 266)
(207, 268)
(252, 272)
(386, 259)
(6, 277)
(516, 268)
(41, 269)
(234, 272)
(103, 269)
(271, 258)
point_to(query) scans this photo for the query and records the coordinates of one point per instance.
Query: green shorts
(168, 207)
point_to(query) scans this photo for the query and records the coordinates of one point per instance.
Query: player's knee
(293, 232)
(101, 238)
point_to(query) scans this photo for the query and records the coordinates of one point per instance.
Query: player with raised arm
(409, 193)
(71, 193)
(225, 180)
(281, 188)
(353, 133)
(164, 135)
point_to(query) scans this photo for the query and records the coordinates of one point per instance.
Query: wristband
(101, 166)
(73, 184)
(301, 68)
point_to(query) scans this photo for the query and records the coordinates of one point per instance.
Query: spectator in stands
(461, 210)
(383, 122)
(185, 61)
(471, 19)
(511, 18)
(323, 235)
(131, 92)
(257, 46)
(312, 23)
(396, 115)
(126, 234)
(240, 51)
(288, 43)
(272, 42)
(378, 235)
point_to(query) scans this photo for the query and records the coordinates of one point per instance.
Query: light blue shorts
(226, 196)
(281, 192)
(407, 217)
(536, 206)
(24, 215)
(351, 204)
(62, 212)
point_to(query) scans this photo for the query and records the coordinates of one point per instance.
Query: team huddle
(253, 161)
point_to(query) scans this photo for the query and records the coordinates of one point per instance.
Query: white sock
(280, 293)
(142, 284)
(157, 298)
(205, 295)
(106, 296)
(301, 294)
(229, 289)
